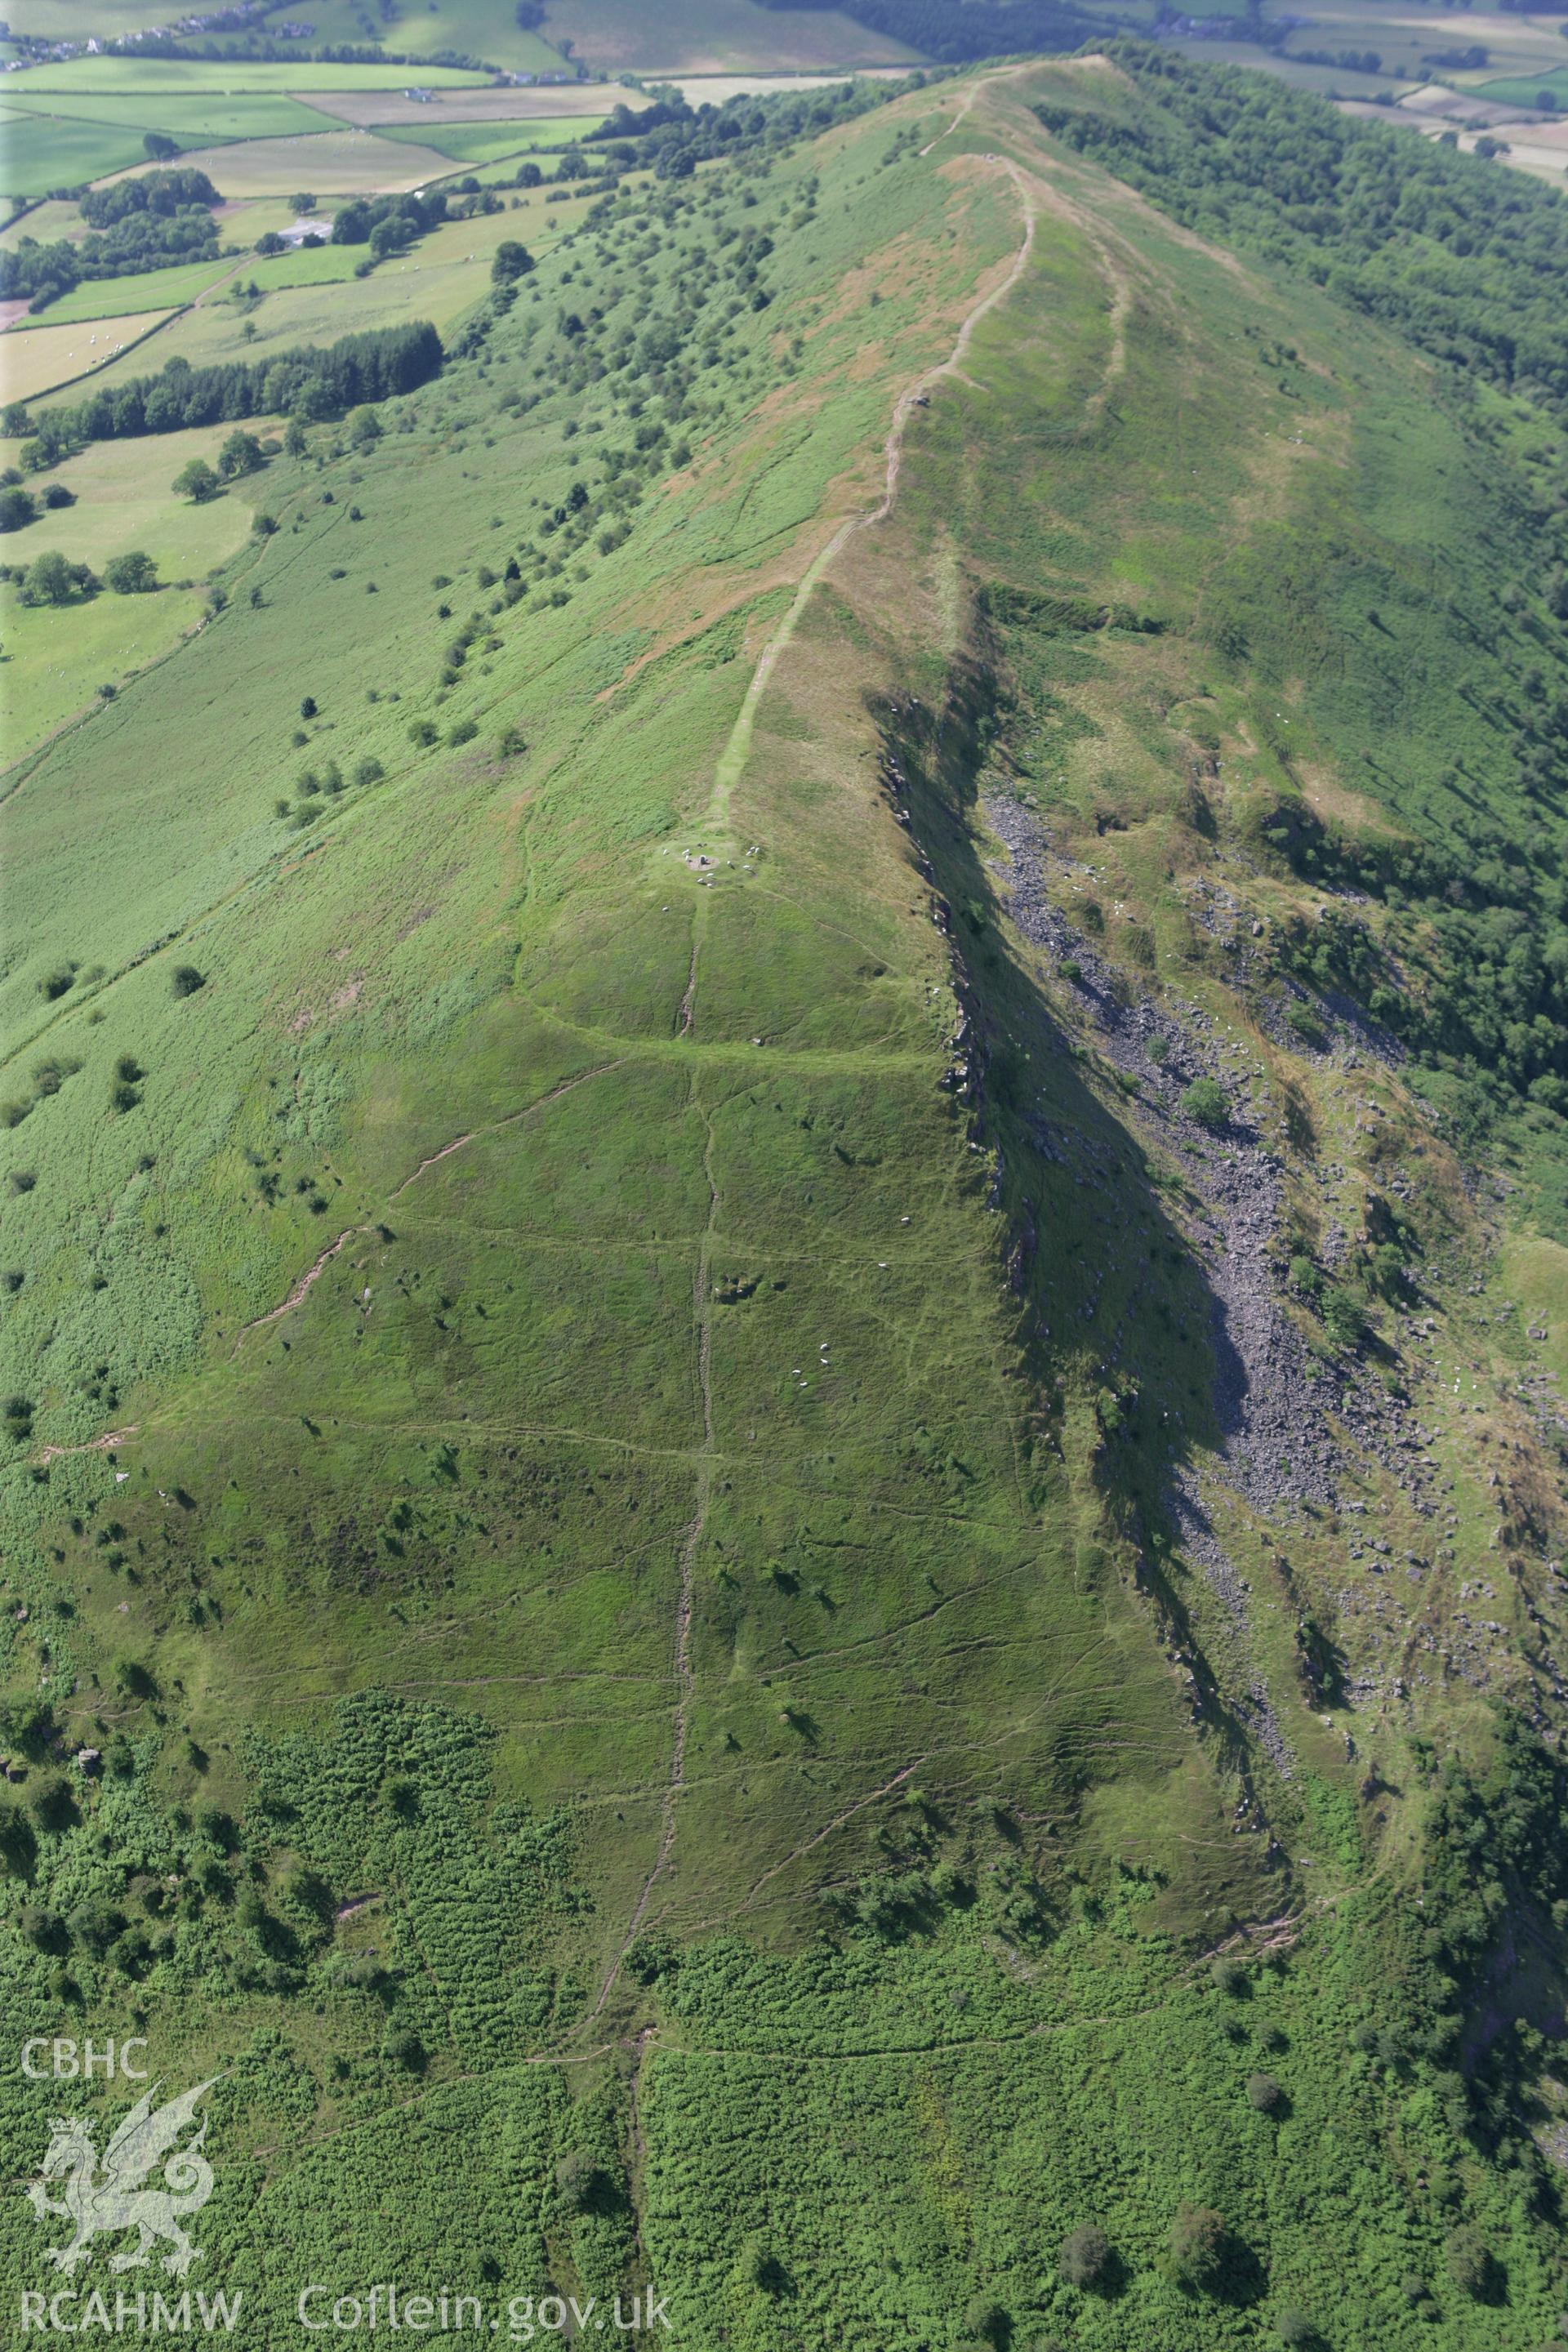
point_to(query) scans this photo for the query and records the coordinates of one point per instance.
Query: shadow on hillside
(1171, 1382)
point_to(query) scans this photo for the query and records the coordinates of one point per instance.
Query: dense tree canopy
(674, 137)
(1468, 262)
(315, 383)
(134, 225)
(389, 221)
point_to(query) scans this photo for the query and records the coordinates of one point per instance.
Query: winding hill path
(732, 760)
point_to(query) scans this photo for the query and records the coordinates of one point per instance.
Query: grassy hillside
(779, 1340)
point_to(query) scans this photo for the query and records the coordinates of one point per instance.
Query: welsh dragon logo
(118, 2197)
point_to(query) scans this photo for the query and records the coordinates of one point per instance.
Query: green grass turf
(224, 76)
(329, 163)
(62, 139)
(717, 36)
(39, 152)
(1520, 89)
(39, 357)
(146, 290)
(674, 1379)
(487, 142)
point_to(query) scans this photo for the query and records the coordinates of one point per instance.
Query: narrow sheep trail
(733, 759)
(730, 768)
(306, 1283)
(982, 82)
(313, 1273)
(107, 1443)
(690, 1545)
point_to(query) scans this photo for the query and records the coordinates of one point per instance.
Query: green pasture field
(147, 290)
(714, 89)
(39, 152)
(240, 224)
(482, 28)
(60, 20)
(1286, 68)
(1405, 37)
(1521, 89)
(123, 502)
(313, 297)
(33, 357)
(224, 76)
(474, 28)
(55, 661)
(199, 118)
(328, 162)
(1520, 44)
(716, 36)
(48, 221)
(539, 103)
(317, 265)
(71, 139)
(487, 143)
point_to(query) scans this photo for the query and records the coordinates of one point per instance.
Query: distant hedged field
(164, 216)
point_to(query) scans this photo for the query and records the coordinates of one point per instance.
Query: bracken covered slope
(799, 1453)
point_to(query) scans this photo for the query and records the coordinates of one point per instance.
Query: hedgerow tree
(53, 579)
(195, 481)
(240, 454)
(50, 1804)
(1343, 1319)
(16, 1845)
(512, 262)
(131, 575)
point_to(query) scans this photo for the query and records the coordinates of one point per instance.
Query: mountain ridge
(721, 1581)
